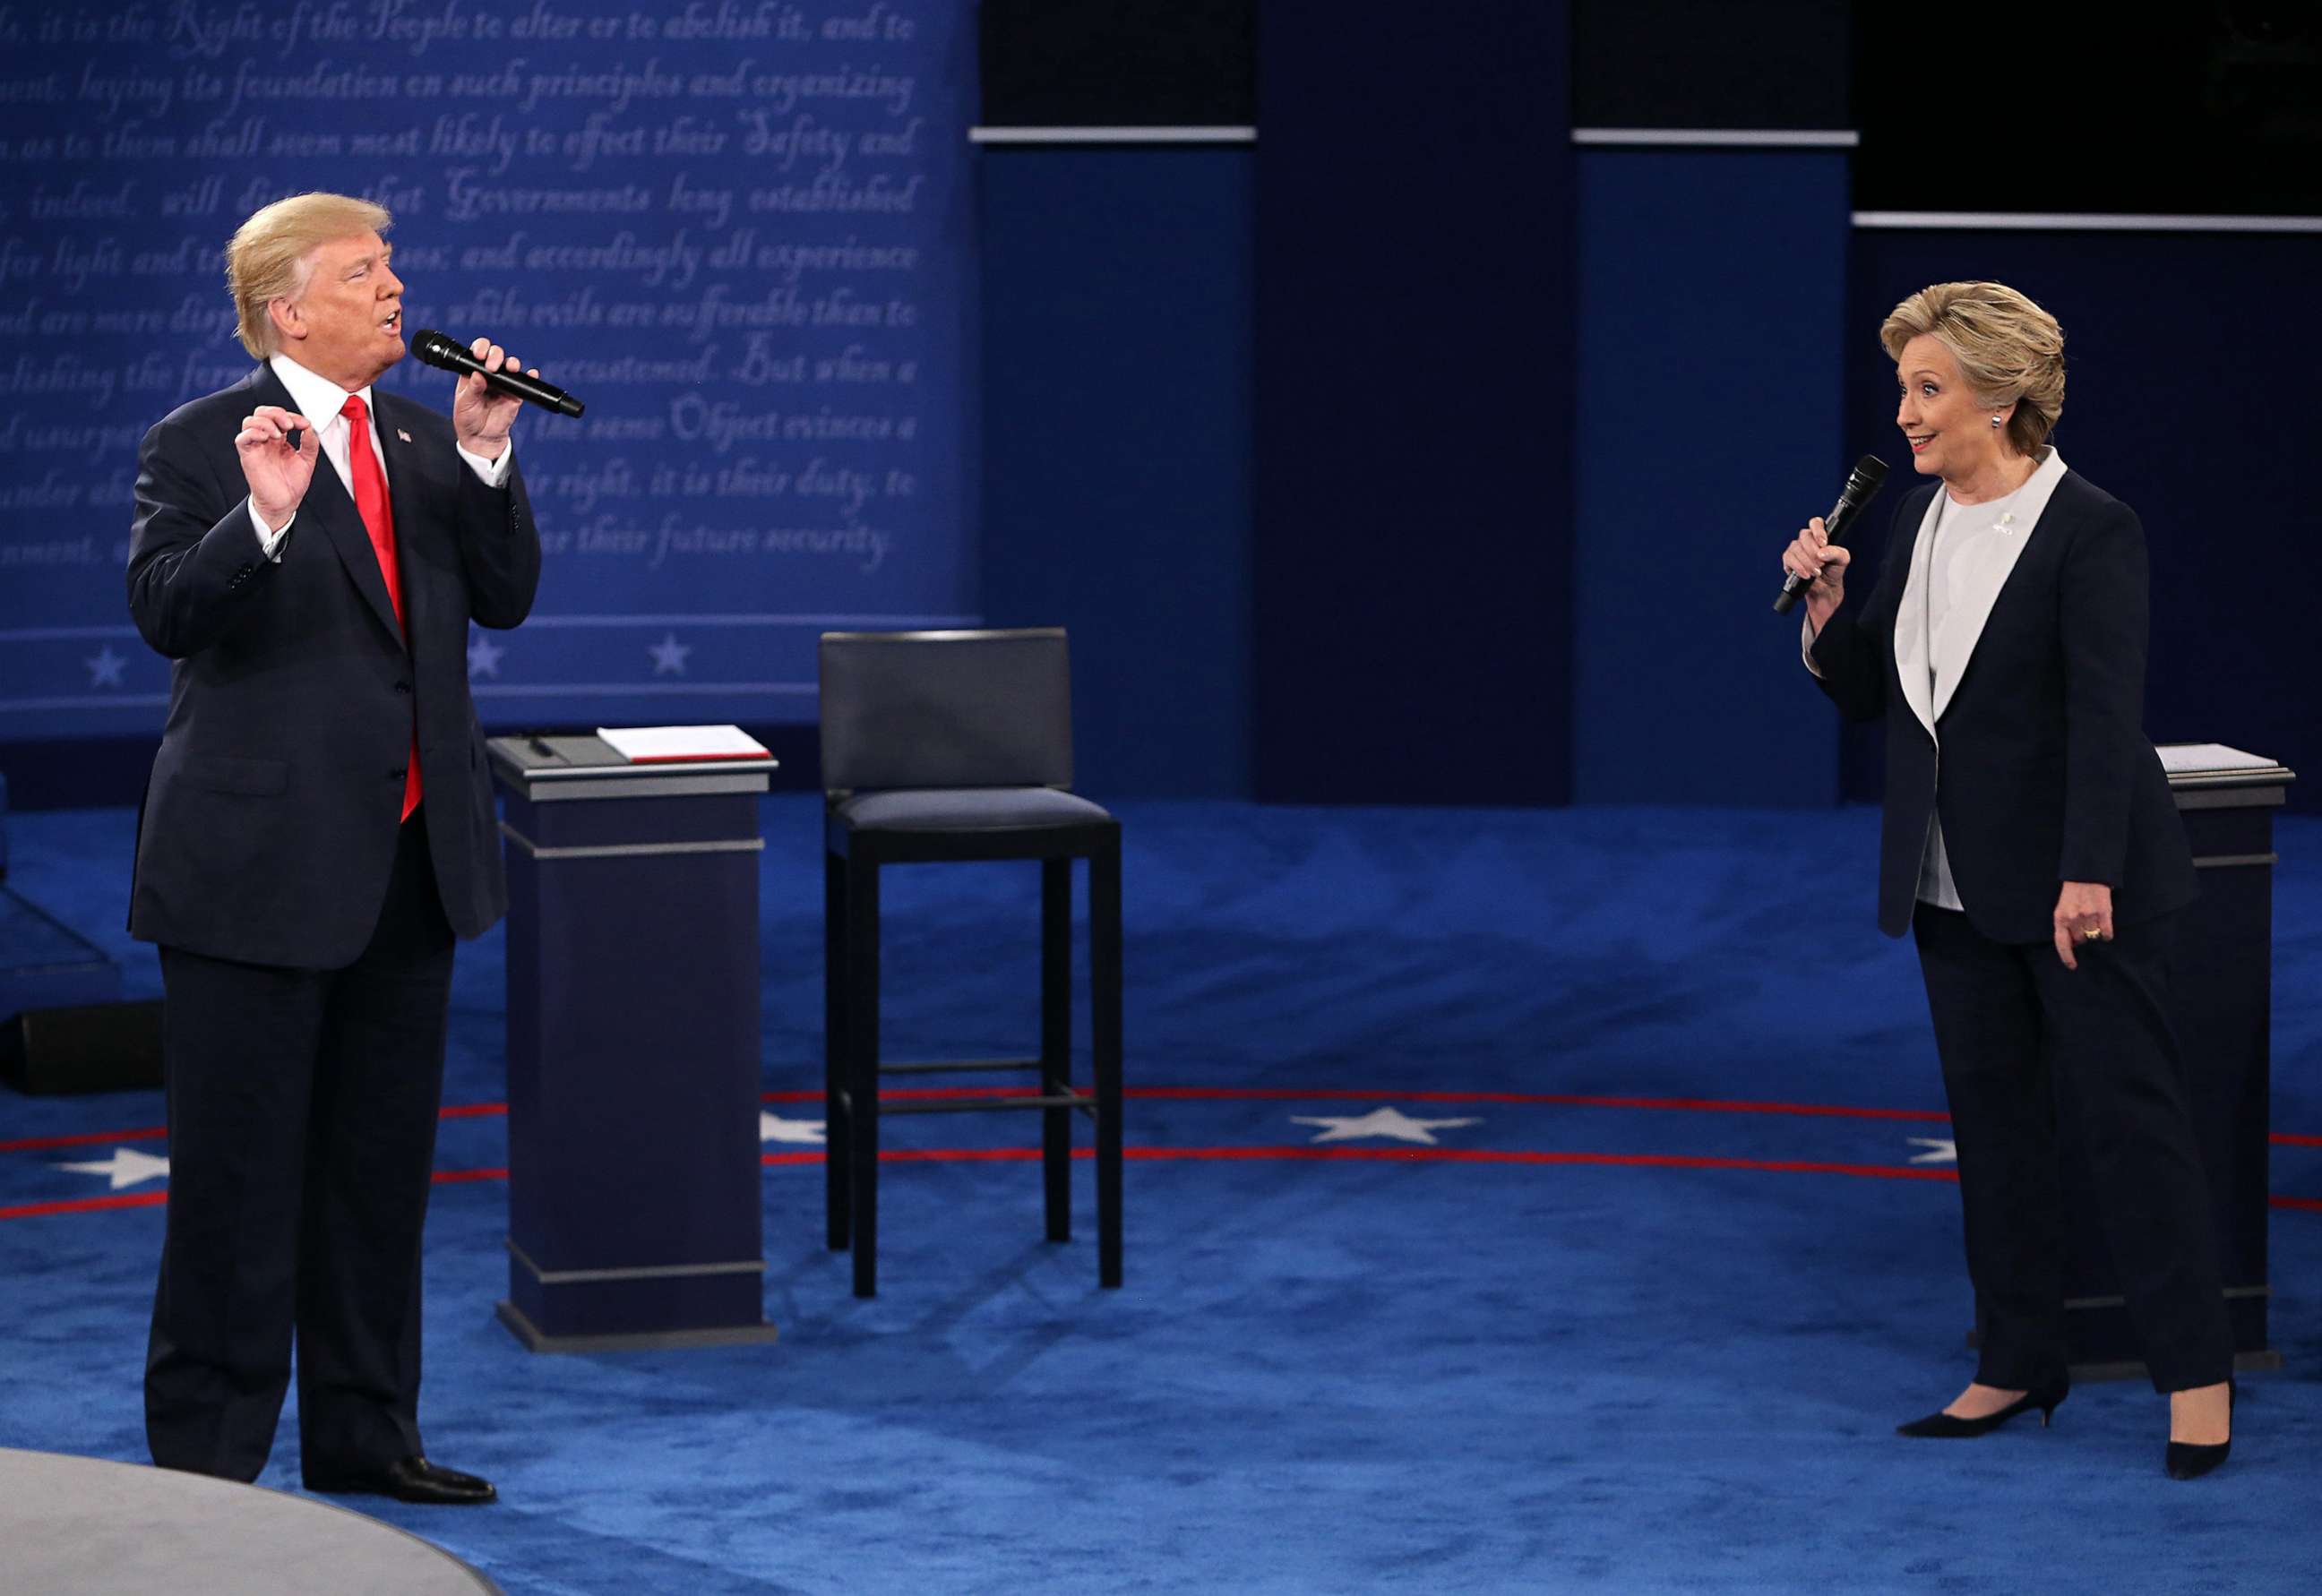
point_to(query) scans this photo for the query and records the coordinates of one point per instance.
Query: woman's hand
(2083, 914)
(1824, 563)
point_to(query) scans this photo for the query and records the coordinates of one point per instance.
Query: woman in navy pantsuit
(2032, 847)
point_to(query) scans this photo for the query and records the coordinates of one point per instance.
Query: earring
(1995, 421)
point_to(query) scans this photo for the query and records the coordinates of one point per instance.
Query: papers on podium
(2206, 759)
(645, 745)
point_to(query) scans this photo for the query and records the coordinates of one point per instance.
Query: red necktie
(378, 521)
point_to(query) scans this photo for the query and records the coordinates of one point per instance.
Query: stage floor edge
(77, 1524)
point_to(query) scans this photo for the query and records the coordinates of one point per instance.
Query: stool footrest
(1070, 1099)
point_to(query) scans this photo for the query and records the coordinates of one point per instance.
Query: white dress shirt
(1965, 537)
(320, 400)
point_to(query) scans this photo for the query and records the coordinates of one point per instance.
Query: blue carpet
(1525, 1372)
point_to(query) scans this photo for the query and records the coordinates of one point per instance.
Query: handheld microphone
(1862, 483)
(438, 351)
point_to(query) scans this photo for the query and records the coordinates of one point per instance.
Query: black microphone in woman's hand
(436, 350)
(1861, 487)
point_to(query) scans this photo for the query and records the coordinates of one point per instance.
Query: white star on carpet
(668, 655)
(484, 656)
(104, 668)
(127, 1167)
(773, 1127)
(1938, 1151)
(1379, 1122)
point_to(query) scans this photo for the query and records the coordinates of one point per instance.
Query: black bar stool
(953, 746)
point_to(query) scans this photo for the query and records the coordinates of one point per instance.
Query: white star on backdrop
(105, 668)
(127, 1167)
(1380, 1122)
(668, 655)
(773, 1127)
(484, 656)
(1938, 1151)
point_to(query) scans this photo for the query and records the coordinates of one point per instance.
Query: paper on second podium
(2183, 759)
(651, 744)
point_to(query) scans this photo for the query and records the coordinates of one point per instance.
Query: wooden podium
(635, 1190)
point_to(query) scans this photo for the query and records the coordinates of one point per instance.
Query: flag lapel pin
(402, 435)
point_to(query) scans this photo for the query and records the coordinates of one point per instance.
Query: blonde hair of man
(2008, 349)
(271, 255)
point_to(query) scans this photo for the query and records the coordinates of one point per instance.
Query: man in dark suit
(318, 829)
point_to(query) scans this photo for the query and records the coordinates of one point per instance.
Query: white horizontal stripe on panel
(2085, 222)
(1741, 138)
(1112, 135)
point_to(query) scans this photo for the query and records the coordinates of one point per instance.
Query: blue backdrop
(1320, 530)
(740, 232)
(1116, 407)
(1709, 430)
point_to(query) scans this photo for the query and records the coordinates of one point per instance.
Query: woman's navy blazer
(2045, 772)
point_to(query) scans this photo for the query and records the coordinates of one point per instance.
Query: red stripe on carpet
(1547, 1099)
(1869, 1172)
(1880, 1171)
(1234, 1094)
(87, 1205)
(86, 1139)
(151, 1200)
(1324, 1094)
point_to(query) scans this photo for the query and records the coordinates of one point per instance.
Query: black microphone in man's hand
(436, 350)
(1861, 487)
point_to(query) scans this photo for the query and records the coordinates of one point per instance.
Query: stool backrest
(946, 710)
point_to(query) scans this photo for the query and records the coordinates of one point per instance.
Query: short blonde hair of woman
(2007, 349)
(269, 256)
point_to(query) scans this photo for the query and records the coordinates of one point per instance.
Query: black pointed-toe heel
(2190, 1460)
(1944, 1427)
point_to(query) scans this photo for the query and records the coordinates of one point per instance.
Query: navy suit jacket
(2047, 776)
(269, 821)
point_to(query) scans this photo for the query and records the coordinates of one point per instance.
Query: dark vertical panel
(1713, 300)
(1414, 352)
(2190, 397)
(1116, 426)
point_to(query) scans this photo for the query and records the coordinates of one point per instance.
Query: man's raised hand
(481, 415)
(277, 473)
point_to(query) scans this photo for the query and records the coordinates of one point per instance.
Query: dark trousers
(2024, 1041)
(302, 1107)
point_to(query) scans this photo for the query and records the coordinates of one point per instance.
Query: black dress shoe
(411, 1479)
(1944, 1426)
(2190, 1460)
